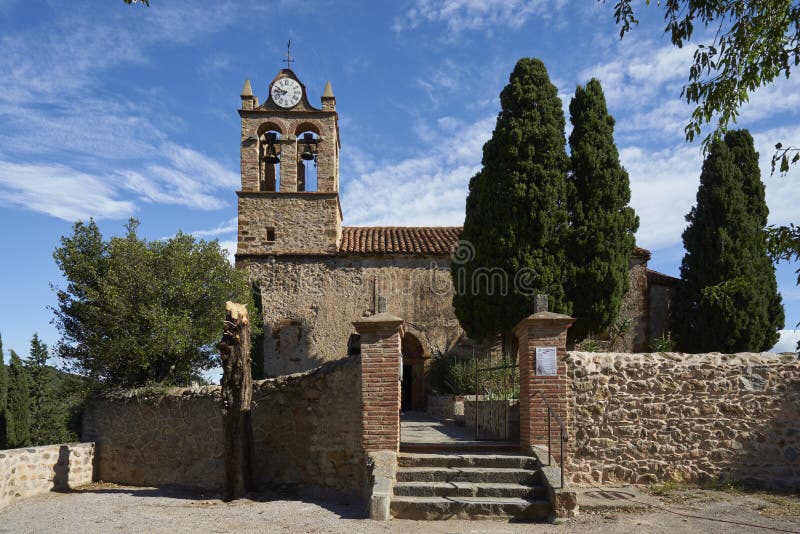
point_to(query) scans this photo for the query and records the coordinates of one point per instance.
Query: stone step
(485, 460)
(476, 475)
(460, 446)
(469, 508)
(468, 489)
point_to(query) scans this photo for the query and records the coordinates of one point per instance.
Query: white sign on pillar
(546, 361)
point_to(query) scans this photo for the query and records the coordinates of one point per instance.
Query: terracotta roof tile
(661, 279)
(409, 240)
(399, 240)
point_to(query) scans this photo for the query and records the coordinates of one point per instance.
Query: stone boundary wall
(306, 432)
(37, 470)
(448, 407)
(647, 418)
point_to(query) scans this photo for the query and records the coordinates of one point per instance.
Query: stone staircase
(469, 485)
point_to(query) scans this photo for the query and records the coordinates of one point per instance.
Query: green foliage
(19, 404)
(663, 343)
(50, 414)
(516, 213)
(257, 345)
(137, 311)
(728, 298)
(602, 224)
(783, 244)
(450, 375)
(3, 398)
(590, 345)
(753, 43)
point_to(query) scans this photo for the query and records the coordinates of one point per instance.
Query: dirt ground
(104, 508)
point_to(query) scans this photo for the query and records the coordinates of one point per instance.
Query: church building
(317, 275)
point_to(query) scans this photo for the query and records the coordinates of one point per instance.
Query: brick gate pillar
(542, 329)
(380, 381)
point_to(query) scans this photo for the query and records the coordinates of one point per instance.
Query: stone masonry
(318, 276)
(306, 430)
(37, 470)
(644, 418)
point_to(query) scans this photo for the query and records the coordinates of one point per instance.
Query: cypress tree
(602, 224)
(742, 148)
(516, 212)
(727, 300)
(19, 404)
(3, 399)
(48, 411)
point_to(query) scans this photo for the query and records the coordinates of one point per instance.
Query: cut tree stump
(237, 396)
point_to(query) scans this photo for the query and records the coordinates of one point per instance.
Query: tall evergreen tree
(3, 399)
(602, 224)
(516, 213)
(48, 411)
(19, 404)
(727, 300)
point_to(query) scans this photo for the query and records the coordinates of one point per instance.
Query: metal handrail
(564, 436)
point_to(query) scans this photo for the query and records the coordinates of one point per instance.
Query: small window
(270, 234)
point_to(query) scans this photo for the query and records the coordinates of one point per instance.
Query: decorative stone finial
(328, 92)
(247, 90)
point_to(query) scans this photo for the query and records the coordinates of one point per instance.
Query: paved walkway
(418, 427)
(419, 430)
(104, 508)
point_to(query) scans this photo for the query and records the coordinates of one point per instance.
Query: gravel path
(110, 509)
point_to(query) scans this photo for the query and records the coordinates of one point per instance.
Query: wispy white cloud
(54, 110)
(62, 192)
(427, 188)
(226, 228)
(486, 15)
(663, 190)
(788, 341)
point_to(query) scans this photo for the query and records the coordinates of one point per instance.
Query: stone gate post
(380, 381)
(543, 330)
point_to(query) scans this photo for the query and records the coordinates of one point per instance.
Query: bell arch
(269, 135)
(308, 143)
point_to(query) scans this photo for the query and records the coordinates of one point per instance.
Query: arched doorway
(414, 369)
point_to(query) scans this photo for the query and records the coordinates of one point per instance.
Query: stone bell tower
(285, 142)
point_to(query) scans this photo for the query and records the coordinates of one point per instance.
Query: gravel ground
(106, 508)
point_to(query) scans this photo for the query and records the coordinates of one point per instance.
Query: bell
(271, 157)
(308, 152)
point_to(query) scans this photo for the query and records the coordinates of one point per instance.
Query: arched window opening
(307, 144)
(269, 160)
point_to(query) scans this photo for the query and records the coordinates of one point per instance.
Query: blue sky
(112, 111)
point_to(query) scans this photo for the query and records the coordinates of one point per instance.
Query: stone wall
(647, 418)
(306, 429)
(288, 223)
(172, 437)
(634, 307)
(446, 407)
(37, 470)
(310, 302)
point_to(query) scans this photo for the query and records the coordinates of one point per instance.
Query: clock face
(286, 92)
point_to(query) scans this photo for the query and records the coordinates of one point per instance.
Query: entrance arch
(414, 373)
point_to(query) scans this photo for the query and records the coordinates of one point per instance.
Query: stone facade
(643, 418)
(37, 470)
(306, 431)
(317, 276)
(310, 303)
